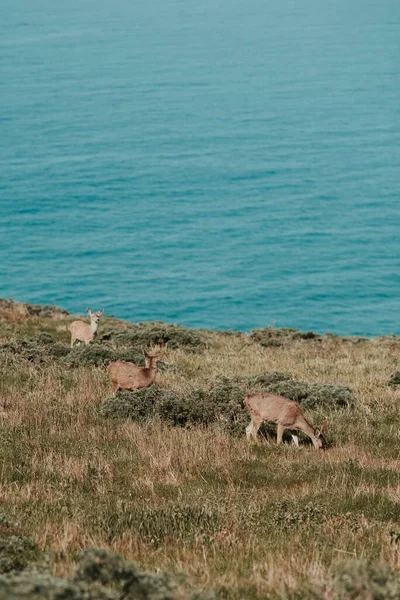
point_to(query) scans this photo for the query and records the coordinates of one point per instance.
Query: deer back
(274, 409)
(128, 375)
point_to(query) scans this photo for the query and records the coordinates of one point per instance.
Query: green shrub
(123, 576)
(138, 406)
(359, 580)
(145, 335)
(17, 552)
(394, 379)
(314, 395)
(34, 310)
(42, 586)
(45, 349)
(96, 354)
(37, 310)
(42, 349)
(273, 336)
(99, 576)
(222, 402)
(263, 381)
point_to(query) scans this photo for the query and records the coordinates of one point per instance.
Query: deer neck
(308, 429)
(93, 326)
(150, 372)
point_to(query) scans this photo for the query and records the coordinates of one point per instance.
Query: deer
(83, 332)
(271, 408)
(127, 376)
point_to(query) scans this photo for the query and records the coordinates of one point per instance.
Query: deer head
(95, 316)
(151, 358)
(320, 435)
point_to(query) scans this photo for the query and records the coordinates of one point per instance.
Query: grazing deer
(271, 408)
(127, 376)
(82, 331)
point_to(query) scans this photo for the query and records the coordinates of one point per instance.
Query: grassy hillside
(187, 494)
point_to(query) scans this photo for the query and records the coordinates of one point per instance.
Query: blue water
(223, 163)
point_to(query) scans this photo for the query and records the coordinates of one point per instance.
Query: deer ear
(145, 353)
(88, 310)
(324, 427)
(100, 312)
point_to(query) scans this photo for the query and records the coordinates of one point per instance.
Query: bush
(99, 576)
(123, 576)
(265, 380)
(100, 354)
(36, 350)
(357, 579)
(44, 349)
(33, 310)
(145, 335)
(314, 395)
(222, 402)
(394, 379)
(42, 586)
(138, 406)
(17, 552)
(272, 336)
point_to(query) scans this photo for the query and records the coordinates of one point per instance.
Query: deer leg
(295, 439)
(252, 428)
(279, 433)
(72, 341)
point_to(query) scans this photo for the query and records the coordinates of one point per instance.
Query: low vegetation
(221, 402)
(168, 491)
(394, 379)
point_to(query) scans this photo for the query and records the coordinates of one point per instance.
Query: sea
(224, 164)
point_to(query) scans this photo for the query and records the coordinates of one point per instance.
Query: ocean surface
(226, 164)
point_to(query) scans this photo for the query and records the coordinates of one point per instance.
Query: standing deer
(82, 331)
(271, 408)
(127, 376)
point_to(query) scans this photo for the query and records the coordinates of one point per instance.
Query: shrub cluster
(45, 349)
(41, 349)
(99, 576)
(96, 354)
(273, 336)
(145, 335)
(394, 379)
(33, 310)
(358, 579)
(222, 402)
(119, 343)
(314, 395)
(17, 552)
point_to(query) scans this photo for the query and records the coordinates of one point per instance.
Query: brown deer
(271, 408)
(127, 376)
(82, 331)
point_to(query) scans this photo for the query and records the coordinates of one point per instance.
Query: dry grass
(245, 520)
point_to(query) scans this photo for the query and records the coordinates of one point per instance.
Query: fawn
(82, 331)
(127, 376)
(271, 408)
